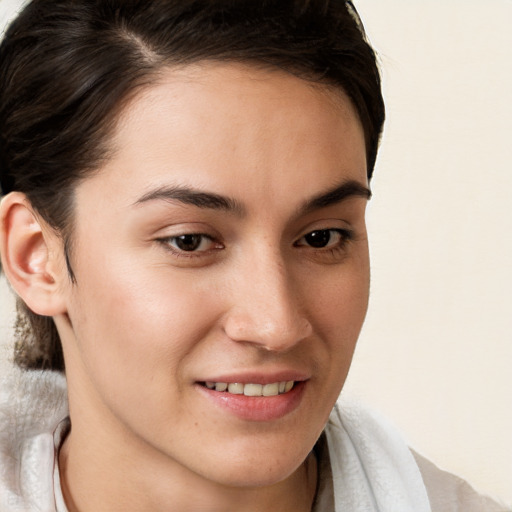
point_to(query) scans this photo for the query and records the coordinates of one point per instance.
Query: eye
(325, 238)
(191, 242)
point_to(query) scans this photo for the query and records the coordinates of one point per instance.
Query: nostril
(275, 335)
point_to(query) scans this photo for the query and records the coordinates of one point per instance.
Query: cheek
(139, 325)
(336, 300)
(135, 356)
(340, 303)
(340, 300)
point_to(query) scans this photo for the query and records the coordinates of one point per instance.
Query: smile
(237, 388)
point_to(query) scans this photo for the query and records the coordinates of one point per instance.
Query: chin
(259, 465)
(256, 474)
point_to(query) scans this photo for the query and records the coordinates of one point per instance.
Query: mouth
(255, 401)
(251, 389)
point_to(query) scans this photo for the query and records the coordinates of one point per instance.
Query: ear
(31, 256)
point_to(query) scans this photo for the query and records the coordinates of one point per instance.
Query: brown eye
(324, 238)
(191, 242)
(318, 239)
(188, 242)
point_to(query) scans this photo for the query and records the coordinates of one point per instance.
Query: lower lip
(257, 408)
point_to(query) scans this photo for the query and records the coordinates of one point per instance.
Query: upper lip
(258, 377)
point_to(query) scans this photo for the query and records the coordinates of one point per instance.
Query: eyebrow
(187, 195)
(210, 200)
(336, 195)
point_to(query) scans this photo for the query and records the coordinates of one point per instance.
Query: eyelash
(346, 236)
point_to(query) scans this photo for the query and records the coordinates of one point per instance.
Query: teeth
(253, 390)
(270, 389)
(237, 388)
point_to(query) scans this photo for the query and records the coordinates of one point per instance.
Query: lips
(252, 389)
(255, 398)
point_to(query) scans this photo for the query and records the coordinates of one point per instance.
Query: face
(222, 246)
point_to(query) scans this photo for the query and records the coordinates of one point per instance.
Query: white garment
(364, 465)
(32, 404)
(373, 469)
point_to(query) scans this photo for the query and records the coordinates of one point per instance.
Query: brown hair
(67, 67)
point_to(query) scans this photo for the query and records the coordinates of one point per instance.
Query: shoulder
(450, 493)
(375, 449)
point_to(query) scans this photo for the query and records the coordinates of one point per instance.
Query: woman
(185, 187)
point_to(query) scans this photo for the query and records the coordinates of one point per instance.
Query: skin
(146, 322)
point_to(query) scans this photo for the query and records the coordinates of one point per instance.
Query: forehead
(234, 129)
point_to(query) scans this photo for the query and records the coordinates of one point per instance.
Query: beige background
(436, 351)
(436, 354)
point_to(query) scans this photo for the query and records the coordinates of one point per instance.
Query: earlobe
(30, 256)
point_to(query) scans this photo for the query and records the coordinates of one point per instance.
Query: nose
(266, 308)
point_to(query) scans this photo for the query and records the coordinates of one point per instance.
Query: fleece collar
(32, 404)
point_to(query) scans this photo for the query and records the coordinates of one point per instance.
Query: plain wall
(435, 354)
